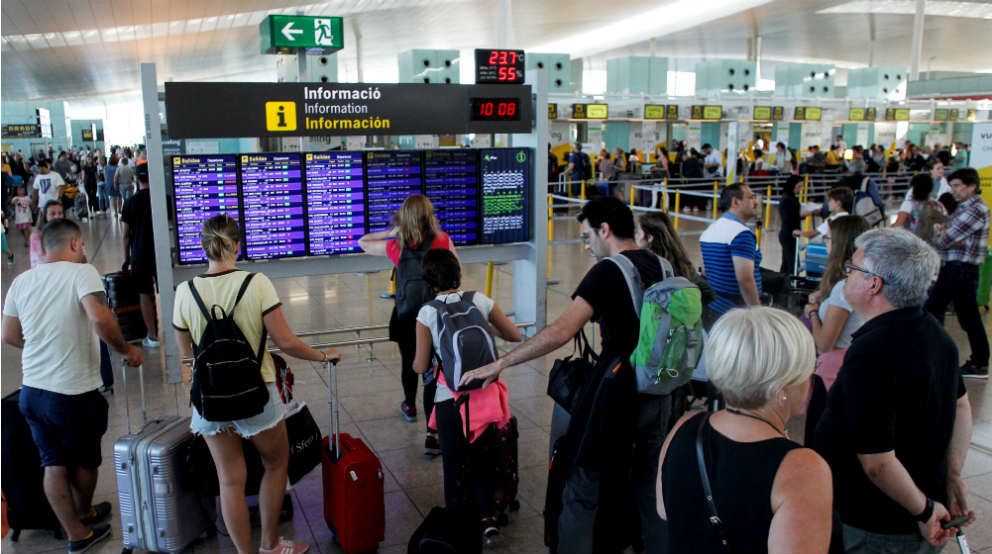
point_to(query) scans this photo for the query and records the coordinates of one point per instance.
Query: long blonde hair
(416, 221)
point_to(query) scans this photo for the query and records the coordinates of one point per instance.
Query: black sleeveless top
(741, 476)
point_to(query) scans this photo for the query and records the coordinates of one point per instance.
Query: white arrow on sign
(288, 31)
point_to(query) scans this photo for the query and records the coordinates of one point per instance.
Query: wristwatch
(927, 512)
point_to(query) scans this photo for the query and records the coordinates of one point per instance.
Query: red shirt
(442, 240)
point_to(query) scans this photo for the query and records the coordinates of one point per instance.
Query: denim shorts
(67, 428)
(273, 413)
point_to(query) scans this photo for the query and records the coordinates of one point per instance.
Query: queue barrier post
(551, 232)
(582, 189)
(678, 201)
(768, 208)
(716, 196)
(490, 271)
(664, 195)
(632, 194)
(392, 284)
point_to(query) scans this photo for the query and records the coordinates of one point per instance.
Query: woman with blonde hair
(258, 313)
(764, 492)
(415, 232)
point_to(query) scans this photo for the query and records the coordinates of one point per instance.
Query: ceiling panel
(63, 49)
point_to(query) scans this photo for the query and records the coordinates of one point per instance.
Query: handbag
(569, 373)
(304, 455)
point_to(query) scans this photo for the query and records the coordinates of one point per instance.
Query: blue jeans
(103, 196)
(859, 541)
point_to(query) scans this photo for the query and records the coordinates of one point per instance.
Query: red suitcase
(354, 504)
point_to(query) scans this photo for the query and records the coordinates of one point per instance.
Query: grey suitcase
(159, 511)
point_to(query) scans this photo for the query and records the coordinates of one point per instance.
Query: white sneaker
(149, 343)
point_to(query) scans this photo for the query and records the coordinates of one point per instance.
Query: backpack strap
(468, 296)
(633, 279)
(241, 291)
(199, 301)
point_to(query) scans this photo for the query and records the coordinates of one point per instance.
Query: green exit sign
(285, 34)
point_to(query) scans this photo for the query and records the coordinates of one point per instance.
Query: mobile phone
(954, 522)
(963, 544)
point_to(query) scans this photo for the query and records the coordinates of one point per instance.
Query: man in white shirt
(48, 184)
(60, 362)
(713, 164)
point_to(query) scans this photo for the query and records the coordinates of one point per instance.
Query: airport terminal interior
(321, 119)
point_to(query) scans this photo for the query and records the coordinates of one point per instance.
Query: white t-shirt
(47, 187)
(428, 316)
(61, 352)
(713, 158)
(853, 322)
(824, 228)
(944, 187)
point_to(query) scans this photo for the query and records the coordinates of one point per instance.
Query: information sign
(87, 135)
(672, 112)
(274, 218)
(707, 112)
(654, 111)
(202, 110)
(204, 186)
(282, 34)
(451, 182)
(940, 114)
(552, 111)
(856, 114)
(955, 114)
(778, 113)
(590, 111)
(26, 130)
(871, 114)
(813, 113)
(762, 113)
(506, 183)
(391, 176)
(499, 66)
(902, 114)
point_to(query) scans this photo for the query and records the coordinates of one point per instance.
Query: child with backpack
(458, 328)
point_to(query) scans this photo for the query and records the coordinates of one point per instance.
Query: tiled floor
(370, 393)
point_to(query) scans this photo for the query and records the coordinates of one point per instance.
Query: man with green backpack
(606, 463)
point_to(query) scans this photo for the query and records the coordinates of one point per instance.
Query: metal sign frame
(529, 258)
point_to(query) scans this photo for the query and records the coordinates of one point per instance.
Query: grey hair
(753, 354)
(906, 264)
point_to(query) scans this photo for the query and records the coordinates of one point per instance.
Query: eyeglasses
(849, 267)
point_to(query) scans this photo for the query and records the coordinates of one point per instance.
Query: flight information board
(204, 187)
(272, 193)
(390, 177)
(506, 182)
(451, 182)
(335, 202)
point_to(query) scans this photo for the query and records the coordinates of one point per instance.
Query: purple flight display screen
(204, 187)
(272, 189)
(390, 177)
(335, 202)
(506, 182)
(451, 182)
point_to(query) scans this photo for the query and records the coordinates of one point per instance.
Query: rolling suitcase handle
(333, 415)
(141, 386)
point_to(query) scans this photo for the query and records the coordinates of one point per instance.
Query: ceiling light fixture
(944, 8)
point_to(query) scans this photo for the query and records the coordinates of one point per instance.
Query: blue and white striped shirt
(724, 239)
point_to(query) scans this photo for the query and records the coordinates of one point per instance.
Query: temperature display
(496, 109)
(499, 66)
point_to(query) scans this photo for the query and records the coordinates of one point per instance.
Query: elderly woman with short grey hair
(768, 493)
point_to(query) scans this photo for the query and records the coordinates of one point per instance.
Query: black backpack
(227, 372)
(412, 291)
(583, 165)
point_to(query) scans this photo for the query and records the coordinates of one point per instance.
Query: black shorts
(144, 278)
(67, 428)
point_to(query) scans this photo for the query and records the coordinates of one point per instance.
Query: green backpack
(670, 340)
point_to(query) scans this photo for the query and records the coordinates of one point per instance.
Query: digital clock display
(495, 109)
(499, 66)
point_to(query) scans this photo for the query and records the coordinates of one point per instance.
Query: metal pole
(917, 46)
(160, 220)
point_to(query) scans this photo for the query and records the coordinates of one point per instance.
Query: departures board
(321, 203)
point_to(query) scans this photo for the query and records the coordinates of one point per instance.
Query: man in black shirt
(139, 251)
(603, 297)
(897, 424)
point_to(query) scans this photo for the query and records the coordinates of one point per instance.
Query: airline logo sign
(282, 34)
(203, 110)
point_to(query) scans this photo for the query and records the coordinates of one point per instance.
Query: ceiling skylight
(946, 8)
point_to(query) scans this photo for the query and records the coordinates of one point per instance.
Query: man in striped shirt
(961, 243)
(731, 255)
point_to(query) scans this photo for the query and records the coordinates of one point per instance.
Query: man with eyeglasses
(897, 424)
(962, 242)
